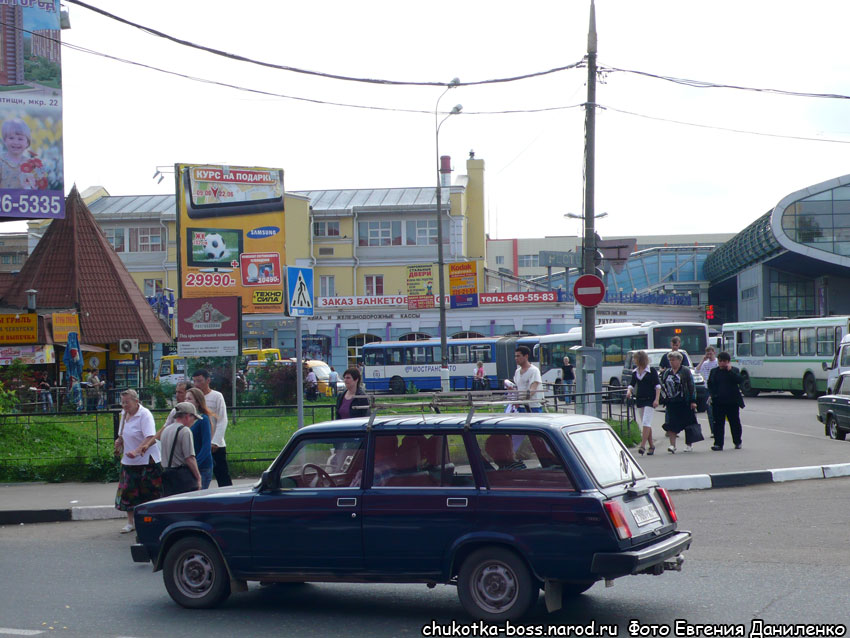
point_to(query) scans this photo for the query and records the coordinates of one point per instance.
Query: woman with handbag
(677, 384)
(141, 474)
(180, 471)
(645, 387)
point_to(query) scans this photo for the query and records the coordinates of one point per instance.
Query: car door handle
(457, 502)
(346, 502)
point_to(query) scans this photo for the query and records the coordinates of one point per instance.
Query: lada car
(655, 356)
(501, 506)
(834, 409)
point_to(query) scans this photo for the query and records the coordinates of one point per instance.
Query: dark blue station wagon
(500, 506)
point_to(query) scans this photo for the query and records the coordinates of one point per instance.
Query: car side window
(421, 460)
(843, 386)
(325, 463)
(845, 356)
(522, 462)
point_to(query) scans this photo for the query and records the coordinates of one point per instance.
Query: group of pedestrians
(192, 443)
(674, 388)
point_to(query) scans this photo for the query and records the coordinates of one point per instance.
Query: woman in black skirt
(645, 387)
(680, 402)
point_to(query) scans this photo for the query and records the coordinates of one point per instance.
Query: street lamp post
(444, 354)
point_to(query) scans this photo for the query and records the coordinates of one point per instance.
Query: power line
(722, 128)
(332, 76)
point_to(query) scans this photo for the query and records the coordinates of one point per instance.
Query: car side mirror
(267, 481)
(824, 365)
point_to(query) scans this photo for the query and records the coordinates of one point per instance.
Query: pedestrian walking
(704, 367)
(677, 385)
(569, 378)
(675, 343)
(140, 480)
(353, 402)
(528, 381)
(724, 386)
(645, 387)
(45, 395)
(180, 468)
(218, 408)
(478, 377)
(311, 385)
(333, 381)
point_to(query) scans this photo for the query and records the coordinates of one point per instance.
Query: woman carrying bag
(677, 386)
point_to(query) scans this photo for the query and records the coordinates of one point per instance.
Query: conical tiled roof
(73, 266)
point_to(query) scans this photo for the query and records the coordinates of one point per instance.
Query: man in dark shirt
(724, 385)
(675, 342)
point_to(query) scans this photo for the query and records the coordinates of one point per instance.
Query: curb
(754, 477)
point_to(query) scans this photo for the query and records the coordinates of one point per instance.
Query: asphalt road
(775, 553)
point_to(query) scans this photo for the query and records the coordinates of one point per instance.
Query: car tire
(747, 386)
(494, 584)
(810, 386)
(832, 429)
(195, 575)
(397, 385)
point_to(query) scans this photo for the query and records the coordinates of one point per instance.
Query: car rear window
(514, 461)
(605, 456)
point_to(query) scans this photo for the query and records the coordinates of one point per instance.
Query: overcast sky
(122, 121)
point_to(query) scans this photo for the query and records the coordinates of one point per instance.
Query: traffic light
(709, 312)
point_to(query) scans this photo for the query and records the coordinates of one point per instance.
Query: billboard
(420, 287)
(208, 327)
(463, 284)
(63, 323)
(230, 229)
(31, 165)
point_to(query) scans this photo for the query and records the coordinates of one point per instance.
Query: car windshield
(605, 456)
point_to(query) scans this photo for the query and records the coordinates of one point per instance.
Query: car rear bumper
(139, 553)
(613, 565)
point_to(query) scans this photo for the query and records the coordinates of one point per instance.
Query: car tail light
(618, 520)
(668, 503)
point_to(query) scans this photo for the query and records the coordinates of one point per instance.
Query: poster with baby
(31, 166)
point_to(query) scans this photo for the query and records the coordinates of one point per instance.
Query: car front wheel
(832, 429)
(194, 574)
(494, 584)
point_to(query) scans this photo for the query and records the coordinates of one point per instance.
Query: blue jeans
(206, 476)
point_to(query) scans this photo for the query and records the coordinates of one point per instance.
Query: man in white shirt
(216, 405)
(704, 367)
(528, 381)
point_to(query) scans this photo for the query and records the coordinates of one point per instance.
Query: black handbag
(177, 480)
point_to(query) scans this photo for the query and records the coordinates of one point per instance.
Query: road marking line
(756, 427)
(20, 632)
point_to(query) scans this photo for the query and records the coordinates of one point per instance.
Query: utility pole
(588, 332)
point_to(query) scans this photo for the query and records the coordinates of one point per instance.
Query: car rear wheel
(810, 386)
(832, 429)
(195, 575)
(397, 385)
(494, 584)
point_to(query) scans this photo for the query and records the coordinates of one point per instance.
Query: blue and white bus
(392, 365)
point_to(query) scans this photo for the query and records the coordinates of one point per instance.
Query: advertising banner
(21, 328)
(463, 284)
(63, 323)
(31, 165)
(550, 296)
(420, 287)
(208, 327)
(28, 355)
(230, 228)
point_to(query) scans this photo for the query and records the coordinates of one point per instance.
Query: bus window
(808, 342)
(729, 342)
(373, 357)
(693, 338)
(460, 354)
(165, 367)
(481, 352)
(774, 343)
(826, 345)
(790, 342)
(613, 349)
(743, 343)
(758, 344)
(418, 355)
(394, 357)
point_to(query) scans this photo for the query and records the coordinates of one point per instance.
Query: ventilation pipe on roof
(31, 300)
(445, 171)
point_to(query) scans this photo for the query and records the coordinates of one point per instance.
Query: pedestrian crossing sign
(300, 286)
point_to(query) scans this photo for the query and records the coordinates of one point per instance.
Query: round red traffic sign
(589, 291)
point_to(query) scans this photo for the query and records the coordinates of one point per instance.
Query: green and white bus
(784, 354)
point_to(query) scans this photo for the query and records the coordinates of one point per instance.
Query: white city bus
(784, 354)
(616, 339)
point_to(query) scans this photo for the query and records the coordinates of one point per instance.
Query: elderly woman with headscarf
(677, 385)
(141, 472)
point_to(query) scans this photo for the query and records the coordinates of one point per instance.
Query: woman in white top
(646, 388)
(141, 472)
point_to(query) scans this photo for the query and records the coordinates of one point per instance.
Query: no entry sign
(589, 291)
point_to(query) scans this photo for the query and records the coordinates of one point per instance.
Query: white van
(840, 363)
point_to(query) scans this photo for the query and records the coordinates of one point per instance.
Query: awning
(87, 348)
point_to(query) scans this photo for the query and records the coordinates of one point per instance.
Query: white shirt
(706, 367)
(136, 429)
(524, 381)
(218, 420)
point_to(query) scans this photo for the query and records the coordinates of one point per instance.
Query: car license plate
(645, 515)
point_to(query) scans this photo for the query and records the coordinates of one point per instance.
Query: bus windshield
(693, 337)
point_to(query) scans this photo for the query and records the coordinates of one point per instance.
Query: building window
(422, 232)
(152, 287)
(791, 295)
(467, 335)
(326, 229)
(326, 286)
(414, 336)
(355, 343)
(379, 233)
(374, 285)
(115, 237)
(500, 260)
(17, 259)
(6, 259)
(529, 261)
(146, 240)
(749, 293)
